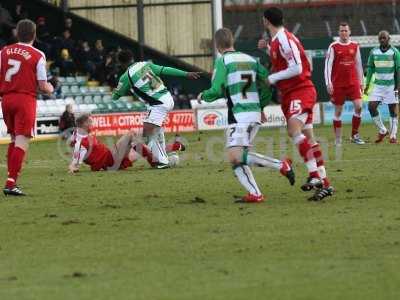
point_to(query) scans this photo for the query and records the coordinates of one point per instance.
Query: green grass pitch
(176, 234)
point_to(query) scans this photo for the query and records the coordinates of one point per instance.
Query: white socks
(157, 148)
(255, 159)
(394, 123)
(246, 178)
(379, 124)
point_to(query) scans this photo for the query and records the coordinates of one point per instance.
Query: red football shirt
(287, 54)
(343, 66)
(91, 151)
(21, 66)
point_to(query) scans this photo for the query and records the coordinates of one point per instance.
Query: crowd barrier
(202, 117)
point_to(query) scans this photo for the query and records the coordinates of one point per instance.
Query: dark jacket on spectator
(67, 120)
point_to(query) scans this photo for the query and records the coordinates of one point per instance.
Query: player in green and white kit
(241, 79)
(384, 63)
(142, 79)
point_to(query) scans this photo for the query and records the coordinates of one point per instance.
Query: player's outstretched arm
(218, 83)
(168, 71)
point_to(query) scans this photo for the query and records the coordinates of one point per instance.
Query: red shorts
(299, 102)
(107, 160)
(19, 113)
(340, 94)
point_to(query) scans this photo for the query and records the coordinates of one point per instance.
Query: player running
(142, 79)
(241, 79)
(22, 73)
(291, 75)
(384, 63)
(88, 149)
(344, 79)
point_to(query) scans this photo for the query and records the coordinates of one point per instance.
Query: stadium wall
(90, 31)
(180, 28)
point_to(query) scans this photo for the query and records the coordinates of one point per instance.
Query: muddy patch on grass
(70, 222)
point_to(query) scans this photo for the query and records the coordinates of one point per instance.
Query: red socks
(145, 151)
(337, 128)
(355, 124)
(15, 162)
(11, 147)
(320, 164)
(173, 147)
(307, 153)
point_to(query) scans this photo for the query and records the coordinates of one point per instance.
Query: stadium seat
(84, 90)
(104, 89)
(74, 90)
(69, 100)
(101, 107)
(41, 103)
(60, 102)
(84, 108)
(107, 98)
(78, 99)
(94, 90)
(97, 99)
(71, 80)
(88, 99)
(51, 102)
(81, 80)
(65, 91)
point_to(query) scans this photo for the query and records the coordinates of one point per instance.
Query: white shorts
(158, 113)
(241, 134)
(387, 96)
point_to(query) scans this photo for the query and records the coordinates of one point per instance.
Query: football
(173, 158)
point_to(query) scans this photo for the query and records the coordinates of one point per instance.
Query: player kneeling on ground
(241, 79)
(91, 151)
(384, 63)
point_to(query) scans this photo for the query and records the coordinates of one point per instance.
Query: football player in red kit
(22, 73)
(344, 79)
(88, 149)
(291, 74)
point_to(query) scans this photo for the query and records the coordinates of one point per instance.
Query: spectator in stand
(6, 23)
(85, 60)
(68, 25)
(55, 81)
(67, 42)
(19, 12)
(43, 37)
(43, 32)
(13, 37)
(66, 64)
(67, 121)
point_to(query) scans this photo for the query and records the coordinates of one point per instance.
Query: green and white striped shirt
(240, 79)
(142, 79)
(385, 66)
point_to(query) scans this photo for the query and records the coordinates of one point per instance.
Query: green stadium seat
(81, 80)
(74, 90)
(88, 99)
(79, 100)
(107, 98)
(84, 90)
(97, 99)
